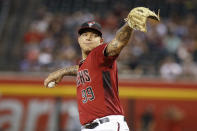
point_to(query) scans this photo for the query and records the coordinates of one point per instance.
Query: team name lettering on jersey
(83, 77)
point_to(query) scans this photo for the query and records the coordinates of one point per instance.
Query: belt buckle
(91, 125)
(95, 123)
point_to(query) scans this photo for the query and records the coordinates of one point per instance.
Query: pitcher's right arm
(59, 74)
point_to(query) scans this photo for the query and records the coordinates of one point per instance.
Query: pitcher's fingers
(46, 82)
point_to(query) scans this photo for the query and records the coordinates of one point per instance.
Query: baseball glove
(138, 16)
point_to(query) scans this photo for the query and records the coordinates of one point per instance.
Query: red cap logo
(91, 23)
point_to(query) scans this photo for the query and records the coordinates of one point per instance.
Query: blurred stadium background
(157, 70)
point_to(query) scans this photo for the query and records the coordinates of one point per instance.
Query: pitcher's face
(89, 40)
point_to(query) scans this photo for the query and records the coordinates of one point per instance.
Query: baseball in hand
(51, 84)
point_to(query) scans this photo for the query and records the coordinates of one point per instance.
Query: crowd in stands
(168, 49)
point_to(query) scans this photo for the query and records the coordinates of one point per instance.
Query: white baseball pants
(113, 123)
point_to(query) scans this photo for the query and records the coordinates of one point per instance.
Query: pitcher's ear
(102, 40)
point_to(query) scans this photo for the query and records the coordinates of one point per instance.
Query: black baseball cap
(90, 26)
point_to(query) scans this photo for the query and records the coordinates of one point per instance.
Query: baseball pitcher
(97, 78)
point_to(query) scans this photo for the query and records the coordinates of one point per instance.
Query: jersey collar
(81, 62)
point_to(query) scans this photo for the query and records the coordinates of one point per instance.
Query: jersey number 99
(87, 94)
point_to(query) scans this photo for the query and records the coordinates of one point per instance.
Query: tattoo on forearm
(121, 39)
(124, 34)
(70, 71)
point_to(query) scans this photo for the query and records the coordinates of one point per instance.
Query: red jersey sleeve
(99, 56)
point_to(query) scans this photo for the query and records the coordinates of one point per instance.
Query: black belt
(95, 124)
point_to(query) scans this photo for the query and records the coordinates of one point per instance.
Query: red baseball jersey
(97, 86)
